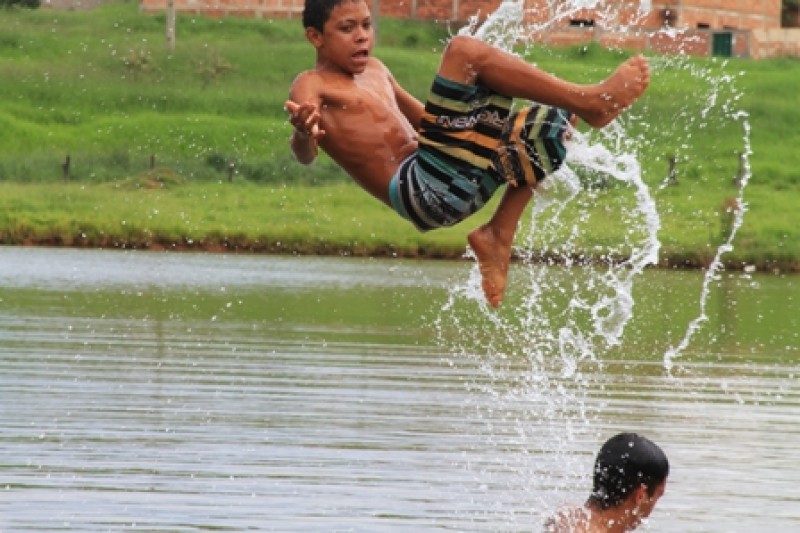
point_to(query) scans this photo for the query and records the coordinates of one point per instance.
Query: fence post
(672, 176)
(65, 168)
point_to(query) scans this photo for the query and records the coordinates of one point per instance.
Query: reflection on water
(185, 392)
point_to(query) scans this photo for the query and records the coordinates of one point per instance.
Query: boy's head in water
(630, 475)
(624, 463)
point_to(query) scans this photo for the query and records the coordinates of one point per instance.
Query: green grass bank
(189, 148)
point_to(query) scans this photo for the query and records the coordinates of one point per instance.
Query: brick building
(742, 28)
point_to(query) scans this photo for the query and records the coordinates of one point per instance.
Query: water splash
(566, 307)
(561, 216)
(712, 273)
(502, 27)
(563, 309)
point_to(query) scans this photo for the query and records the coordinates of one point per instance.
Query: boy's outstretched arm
(303, 108)
(305, 120)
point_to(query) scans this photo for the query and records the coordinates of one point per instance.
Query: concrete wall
(777, 42)
(727, 14)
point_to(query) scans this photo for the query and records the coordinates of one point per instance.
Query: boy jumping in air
(437, 164)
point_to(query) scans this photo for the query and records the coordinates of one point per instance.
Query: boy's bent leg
(492, 242)
(469, 60)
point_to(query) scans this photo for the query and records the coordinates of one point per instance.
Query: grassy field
(153, 137)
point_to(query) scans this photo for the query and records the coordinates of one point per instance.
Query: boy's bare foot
(493, 259)
(606, 100)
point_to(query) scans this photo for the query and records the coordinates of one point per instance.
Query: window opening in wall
(669, 17)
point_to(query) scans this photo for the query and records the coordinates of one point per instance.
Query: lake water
(191, 392)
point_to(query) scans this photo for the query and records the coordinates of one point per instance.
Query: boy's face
(347, 37)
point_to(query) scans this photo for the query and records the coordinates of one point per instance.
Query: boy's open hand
(305, 118)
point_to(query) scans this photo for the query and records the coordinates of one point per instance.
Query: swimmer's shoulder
(568, 519)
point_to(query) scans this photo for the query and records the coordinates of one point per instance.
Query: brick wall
(737, 14)
(221, 8)
(442, 10)
(731, 14)
(697, 20)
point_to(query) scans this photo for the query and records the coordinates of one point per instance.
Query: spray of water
(540, 353)
(712, 273)
(565, 307)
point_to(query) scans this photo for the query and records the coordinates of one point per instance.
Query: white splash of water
(612, 311)
(567, 306)
(563, 310)
(501, 28)
(712, 273)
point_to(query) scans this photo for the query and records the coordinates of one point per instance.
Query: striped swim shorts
(470, 143)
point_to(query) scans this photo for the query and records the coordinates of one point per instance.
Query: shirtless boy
(630, 476)
(436, 164)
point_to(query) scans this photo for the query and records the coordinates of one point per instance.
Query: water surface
(189, 392)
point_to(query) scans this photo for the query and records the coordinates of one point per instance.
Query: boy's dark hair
(317, 12)
(623, 463)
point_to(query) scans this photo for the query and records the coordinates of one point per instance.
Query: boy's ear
(314, 36)
(640, 494)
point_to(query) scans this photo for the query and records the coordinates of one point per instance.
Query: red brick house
(743, 28)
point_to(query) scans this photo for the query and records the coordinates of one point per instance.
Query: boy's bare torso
(365, 131)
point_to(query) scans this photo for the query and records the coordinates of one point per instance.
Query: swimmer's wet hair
(625, 462)
(317, 12)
